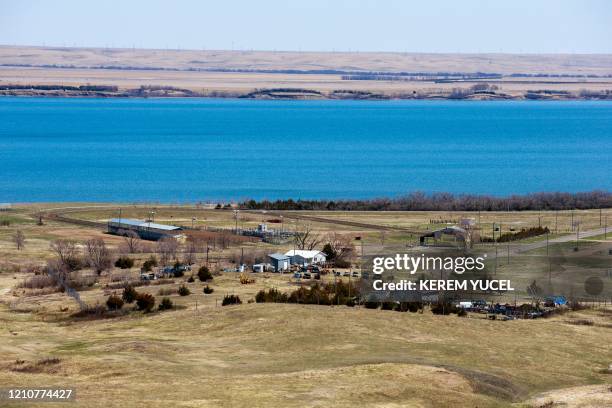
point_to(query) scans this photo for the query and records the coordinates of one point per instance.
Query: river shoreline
(138, 93)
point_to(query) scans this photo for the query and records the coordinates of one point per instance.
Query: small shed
(261, 267)
(280, 262)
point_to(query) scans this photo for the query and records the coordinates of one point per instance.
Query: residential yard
(203, 354)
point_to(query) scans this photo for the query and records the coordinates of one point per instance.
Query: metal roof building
(145, 230)
(280, 262)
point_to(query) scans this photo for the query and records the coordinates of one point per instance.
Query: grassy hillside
(202, 354)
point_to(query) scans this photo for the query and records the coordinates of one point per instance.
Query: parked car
(346, 273)
(147, 276)
(337, 273)
(182, 268)
(365, 275)
(306, 275)
(355, 274)
(297, 275)
(317, 276)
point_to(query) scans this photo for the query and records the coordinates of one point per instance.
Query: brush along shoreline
(86, 91)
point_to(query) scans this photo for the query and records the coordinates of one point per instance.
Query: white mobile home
(304, 258)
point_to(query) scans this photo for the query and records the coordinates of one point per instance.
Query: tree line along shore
(419, 201)
(479, 91)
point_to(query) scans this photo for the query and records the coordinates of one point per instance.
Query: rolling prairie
(239, 73)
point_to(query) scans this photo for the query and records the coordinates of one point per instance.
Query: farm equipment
(245, 280)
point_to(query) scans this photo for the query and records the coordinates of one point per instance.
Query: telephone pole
(600, 217)
(508, 254)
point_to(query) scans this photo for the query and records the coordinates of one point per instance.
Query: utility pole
(549, 273)
(508, 254)
(495, 259)
(600, 217)
(556, 216)
(606, 229)
(549, 265)
(359, 238)
(236, 219)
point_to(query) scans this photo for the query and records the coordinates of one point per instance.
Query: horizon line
(299, 51)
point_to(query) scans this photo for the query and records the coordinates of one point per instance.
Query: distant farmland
(304, 75)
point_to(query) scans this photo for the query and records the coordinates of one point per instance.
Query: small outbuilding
(262, 267)
(280, 262)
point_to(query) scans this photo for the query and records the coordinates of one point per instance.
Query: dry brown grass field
(203, 354)
(283, 60)
(171, 68)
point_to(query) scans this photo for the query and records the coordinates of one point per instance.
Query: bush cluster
(523, 234)
(231, 300)
(446, 308)
(204, 274)
(129, 294)
(165, 304)
(147, 266)
(329, 294)
(271, 296)
(184, 290)
(145, 302)
(124, 262)
(114, 302)
(208, 290)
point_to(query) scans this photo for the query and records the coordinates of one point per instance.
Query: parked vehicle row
(353, 274)
(306, 275)
(167, 271)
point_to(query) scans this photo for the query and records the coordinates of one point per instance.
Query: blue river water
(187, 150)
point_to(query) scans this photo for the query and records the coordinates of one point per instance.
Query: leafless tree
(166, 248)
(67, 253)
(98, 255)
(383, 237)
(341, 246)
(189, 252)
(306, 238)
(132, 243)
(19, 239)
(223, 239)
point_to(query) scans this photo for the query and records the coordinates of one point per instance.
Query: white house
(303, 257)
